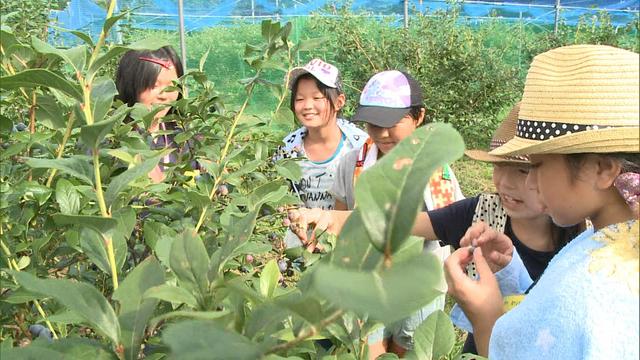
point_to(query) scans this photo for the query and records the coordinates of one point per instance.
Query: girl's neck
(534, 233)
(614, 210)
(325, 134)
(321, 143)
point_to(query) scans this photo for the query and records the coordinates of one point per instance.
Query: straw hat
(579, 99)
(505, 132)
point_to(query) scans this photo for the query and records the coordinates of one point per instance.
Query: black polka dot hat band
(541, 130)
(505, 132)
(579, 99)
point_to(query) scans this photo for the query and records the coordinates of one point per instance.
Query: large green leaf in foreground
(367, 272)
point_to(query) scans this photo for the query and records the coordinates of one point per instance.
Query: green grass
(474, 176)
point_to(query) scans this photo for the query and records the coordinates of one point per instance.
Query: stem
(306, 333)
(112, 261)
(223, 154)
(99, 193)
(286, 84)
(103, 35)
(13, 265)
(65, 138)
(87, 83)
(103, 210)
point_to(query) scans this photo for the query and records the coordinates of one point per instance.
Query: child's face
(312, 108)
(568, 199)
(387, 138)
(520, 201)
(156, 95)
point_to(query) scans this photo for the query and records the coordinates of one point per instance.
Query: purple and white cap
(324, 72)
(387, 98)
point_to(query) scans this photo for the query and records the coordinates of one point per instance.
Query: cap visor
(380, 116)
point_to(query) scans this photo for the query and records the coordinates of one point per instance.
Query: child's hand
(480, 299)
(497, 247)
(301, 218)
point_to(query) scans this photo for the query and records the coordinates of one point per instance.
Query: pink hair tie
(167, 64)
(628, 184)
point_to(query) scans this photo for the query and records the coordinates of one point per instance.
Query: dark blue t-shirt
(450, 223)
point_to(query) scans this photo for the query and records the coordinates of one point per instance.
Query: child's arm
(333, 220)
(480, 299)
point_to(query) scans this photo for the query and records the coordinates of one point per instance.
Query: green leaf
(100, 224)
(108, 24)
(77, 166)
(190, 262)
(172, 294)
(391, 192)
(311, 44)
(200, 315)
(81, 298)
(67, 197)
(18, 296)
(269, 279)
(93, 134)
(135, 309)
(102, 95)
(92, 241)
(160, 237)
(50, 114)
(41, 77)
(289, 169)
(434, 338)
(121, 181)
(386, 294)
(239, 231)
(35, 191)
(205, 340)
(62, 349)
(75, 56)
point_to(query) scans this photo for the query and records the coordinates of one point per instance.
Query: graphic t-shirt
(318, 177)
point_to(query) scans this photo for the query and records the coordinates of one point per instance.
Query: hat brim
(610, 140)
(484, 156)
(380, 116)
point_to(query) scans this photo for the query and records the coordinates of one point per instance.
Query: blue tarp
(86, 16)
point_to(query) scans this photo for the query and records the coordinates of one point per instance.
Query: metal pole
(253, 11)
(183, 44)
(406, 14)
(557, 19)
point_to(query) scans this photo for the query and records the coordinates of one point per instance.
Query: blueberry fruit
(41, 332)
(282, 265)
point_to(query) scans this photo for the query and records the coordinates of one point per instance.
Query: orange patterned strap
(442, 188)
(360, 160)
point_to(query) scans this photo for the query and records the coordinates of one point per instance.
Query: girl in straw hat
(514, 209)
(578, 123)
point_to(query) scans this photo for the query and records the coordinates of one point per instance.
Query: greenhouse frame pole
(557, 19)
(183, 44)
(406, 14)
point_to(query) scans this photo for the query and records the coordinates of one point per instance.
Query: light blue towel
(574, 312)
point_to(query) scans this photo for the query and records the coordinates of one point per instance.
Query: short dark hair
(328, 92)
(135, 76)
(630, 162)
(415, 111)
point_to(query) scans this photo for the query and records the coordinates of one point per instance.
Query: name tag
(511, 301)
